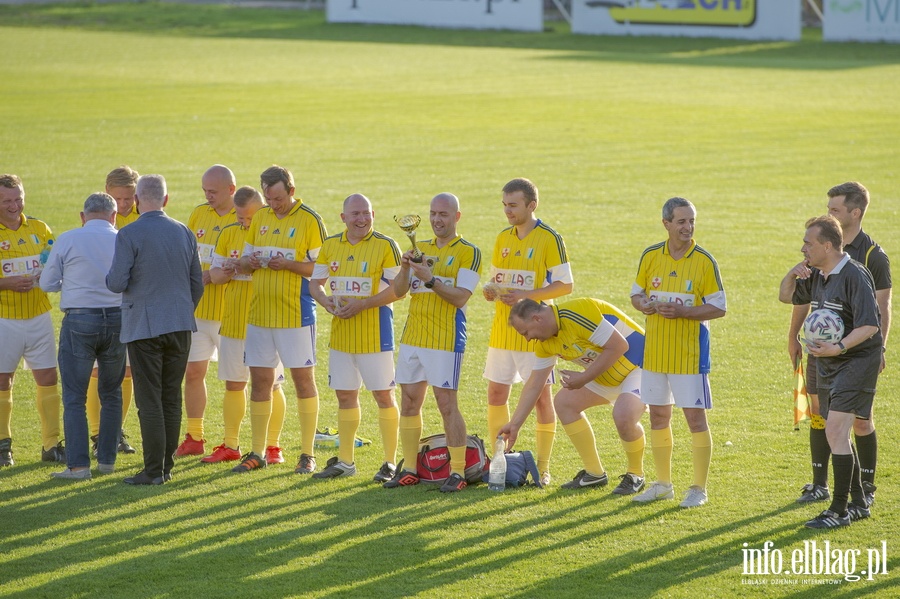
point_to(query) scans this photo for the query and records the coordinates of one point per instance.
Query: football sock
(389, 423)
(458, 460)
(348, 424)
(410, 433)
(260, 411)
(308, 410)
(582, 436)
(819, 450)
(856, 491)
(47, 399)
(497, 416)
(544, 433)
(661, 445)
(634, 453)
(92, 407)
(127, 396)
(867, 447)
(234, 406)
(6, 414)
(276, 421)
(842, 464)
(195, 428)
(701, 445)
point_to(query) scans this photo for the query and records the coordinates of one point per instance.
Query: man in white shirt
(77, 266)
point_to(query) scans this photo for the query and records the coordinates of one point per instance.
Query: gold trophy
(409, 223)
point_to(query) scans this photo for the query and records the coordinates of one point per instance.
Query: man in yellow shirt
(434, 339)
(358, 266)
(25, 323)
(206, 221)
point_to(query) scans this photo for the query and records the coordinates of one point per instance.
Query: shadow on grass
(234, 22)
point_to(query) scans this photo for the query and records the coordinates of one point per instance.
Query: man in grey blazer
(156, 268)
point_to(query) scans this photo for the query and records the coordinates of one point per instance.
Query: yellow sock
(410, 433)
(816, 421)
(543, 446)
(92, 407)
(260, 411)
(389, 423)
(234, 407)
(634, 453)
(308, 410)
(458, 460)
(348, 424)
(6, 414)
(701, 444)
(47, 399)
(127, 396)
(195, 428)
(661, 445)
(497, 416)
(582, 436)
(276, 422)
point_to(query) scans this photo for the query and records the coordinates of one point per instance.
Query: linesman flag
(801, 400)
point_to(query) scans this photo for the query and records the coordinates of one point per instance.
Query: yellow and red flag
(801, 400)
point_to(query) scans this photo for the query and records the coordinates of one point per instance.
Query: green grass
(753, 133)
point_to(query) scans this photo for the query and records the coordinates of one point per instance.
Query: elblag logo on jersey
(4, 245)
(263, 230)
(504, 252)
(201, 233)
(655, 282)
(334, 266)
(520, 279)
(352, 286)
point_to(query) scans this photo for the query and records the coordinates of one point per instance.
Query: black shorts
(811, 375)
(848, 385)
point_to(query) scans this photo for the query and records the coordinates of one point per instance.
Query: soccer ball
(823, 325)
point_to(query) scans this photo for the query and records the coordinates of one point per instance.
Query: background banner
(861, 21)
(524, 15)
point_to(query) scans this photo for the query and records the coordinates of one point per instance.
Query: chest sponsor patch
(350, 286)
(515, 279)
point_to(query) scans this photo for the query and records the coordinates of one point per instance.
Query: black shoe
(869, 490)
(453, 484)
(94, 441)
(829, 519)
(57, 453)
(167, 476)
(385, 473)
(142, 478)
(857, 512)
(6, 458)
(124, 446)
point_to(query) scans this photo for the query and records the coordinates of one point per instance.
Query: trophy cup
(409, 223)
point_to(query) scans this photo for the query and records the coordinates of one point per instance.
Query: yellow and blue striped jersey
(206, 225)
(122, 221)
(585, 325)
(359, 271)
(20, 252)
(678, 345)
(433, 322)
(530, 263)
(239, 290)
(281, 298)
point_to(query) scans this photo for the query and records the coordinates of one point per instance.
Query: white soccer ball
(823, 325)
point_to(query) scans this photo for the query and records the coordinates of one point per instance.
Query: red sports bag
(433, 463)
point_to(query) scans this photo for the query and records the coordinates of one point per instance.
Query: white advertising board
(524, 15)
(740, 19)
(861, 21)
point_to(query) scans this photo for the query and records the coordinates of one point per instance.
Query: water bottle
(497, 475)
(45, 253)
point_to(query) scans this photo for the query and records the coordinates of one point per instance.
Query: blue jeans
(88, 335)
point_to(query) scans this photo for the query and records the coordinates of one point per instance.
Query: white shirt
(78, 264)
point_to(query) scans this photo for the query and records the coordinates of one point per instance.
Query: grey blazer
(156, 268)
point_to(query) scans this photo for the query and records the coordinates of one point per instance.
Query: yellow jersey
(122, 221)
(530, 263)
(281, 298)
(19, 256)
(239, 290)
(206, 224)
(359, 271)
(585, 325)
(678, 345)
(433, 322)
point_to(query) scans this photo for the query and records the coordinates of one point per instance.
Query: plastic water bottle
(497, 474)
(45, 253)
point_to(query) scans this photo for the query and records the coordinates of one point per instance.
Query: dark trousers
(157, 369)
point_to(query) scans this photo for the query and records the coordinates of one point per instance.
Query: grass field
(753, 133)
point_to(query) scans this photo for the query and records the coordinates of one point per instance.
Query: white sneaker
(695, 497)
(656, 491)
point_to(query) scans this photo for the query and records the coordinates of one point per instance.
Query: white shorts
(231, 362)
(683, 390)
(205, 341)
(296, 348)
(31, 338)
(440, 368)
(347, 372)
(506, 367)
(631, 384)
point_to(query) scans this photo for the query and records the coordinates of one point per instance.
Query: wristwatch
(840, 344)
(430, 284)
